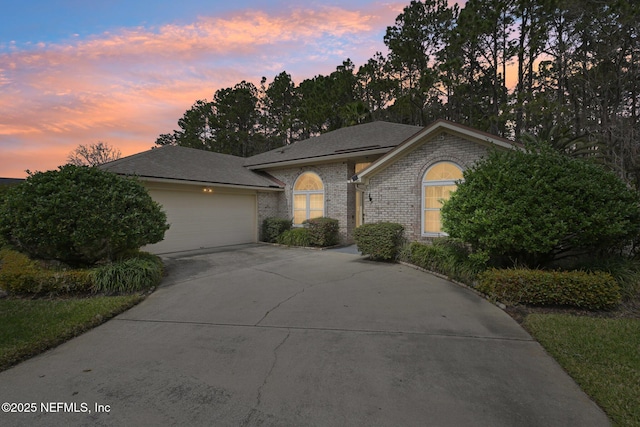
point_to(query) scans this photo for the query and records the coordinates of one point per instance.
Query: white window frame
(434, 184)
(307, 194)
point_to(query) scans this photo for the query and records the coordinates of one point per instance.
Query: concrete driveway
(267, 336)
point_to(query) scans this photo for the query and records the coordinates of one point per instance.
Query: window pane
(443, 172)
(432, 221)
(315, 214)
(299, 217)
(316, 201)
(300, 202)
(433, 194)
(308, 181)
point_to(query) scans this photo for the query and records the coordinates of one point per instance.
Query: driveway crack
(278, 305)
(255, 411)
(275, 274)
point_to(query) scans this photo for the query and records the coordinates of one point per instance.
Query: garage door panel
(205, 220)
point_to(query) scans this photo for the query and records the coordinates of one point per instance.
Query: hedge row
(321, 232)
(594, 291)
(449, 257)
(23, 276)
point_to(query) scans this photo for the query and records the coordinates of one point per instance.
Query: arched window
(308, 198)
(438, 183)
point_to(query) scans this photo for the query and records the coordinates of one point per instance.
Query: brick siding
(396, 192)
(392, 195)
(339, 195)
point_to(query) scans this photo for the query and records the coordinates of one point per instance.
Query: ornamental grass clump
(449, 257)
(295, 237)
(138, 273)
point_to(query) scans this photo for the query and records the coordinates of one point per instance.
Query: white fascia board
(321, 159)
(210, 184)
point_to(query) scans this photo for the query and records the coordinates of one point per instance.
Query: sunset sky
(122, 72)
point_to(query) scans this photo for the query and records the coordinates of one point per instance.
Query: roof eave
(323, 159)
(208, 183)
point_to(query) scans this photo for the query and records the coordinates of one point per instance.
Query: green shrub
(625, 270)
(529, 208)
(594, 291)
(449, 257)
(139, 273)
(295, 237)
(379, 240)
(273, 227)
(21, 275)
(80, 215)
(323, 231)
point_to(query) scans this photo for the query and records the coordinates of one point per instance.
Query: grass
(601, 354)
(31, 326)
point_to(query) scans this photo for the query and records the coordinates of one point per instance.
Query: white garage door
(205, 220)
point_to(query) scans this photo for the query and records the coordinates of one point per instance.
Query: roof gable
(427, 134)
(191, 165)
(369, 138)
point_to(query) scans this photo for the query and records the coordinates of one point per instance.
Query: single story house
(10, 181)
(373, 172)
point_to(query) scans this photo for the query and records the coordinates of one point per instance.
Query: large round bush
(532, 207)
(80, 215)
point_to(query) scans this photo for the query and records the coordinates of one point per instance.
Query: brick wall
(268, 206)
(339, 196)
(396, 191)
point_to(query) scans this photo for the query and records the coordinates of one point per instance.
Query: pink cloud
(126, 87)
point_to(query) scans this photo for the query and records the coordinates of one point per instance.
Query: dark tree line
(565, 71)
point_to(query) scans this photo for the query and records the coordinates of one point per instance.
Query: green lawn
(602, 355)
(29, 327)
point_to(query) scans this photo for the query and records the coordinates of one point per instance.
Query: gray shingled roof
(188, 164)
(380, 136)
(10, 181)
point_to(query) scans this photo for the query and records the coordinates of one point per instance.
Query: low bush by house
(593, 291)
(323, 231)
(295, 237)
(379, 240)
(23, 276)
(273, 227)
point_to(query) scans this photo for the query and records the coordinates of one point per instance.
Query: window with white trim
(437, 184)
(308, 198)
